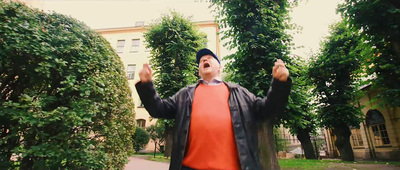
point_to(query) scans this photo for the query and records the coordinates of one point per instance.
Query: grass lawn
(335, 164)
(304, 164)
(159, 159)
(150, 156)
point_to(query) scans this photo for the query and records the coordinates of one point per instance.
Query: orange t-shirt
(211, 142)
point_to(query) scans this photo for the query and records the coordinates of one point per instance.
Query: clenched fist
(279, 71)
(145, 74)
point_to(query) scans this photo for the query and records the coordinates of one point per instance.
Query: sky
(313, 16)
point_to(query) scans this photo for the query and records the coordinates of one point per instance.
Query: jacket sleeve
(157, 107)
(275, 101)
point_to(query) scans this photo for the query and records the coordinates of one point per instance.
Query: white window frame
(356, 138)
(205, 43)
(120, 46)
(141, 123)
(380, 134)
(135, 45)
(130, 73)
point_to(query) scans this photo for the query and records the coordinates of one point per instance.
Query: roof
(145, 26)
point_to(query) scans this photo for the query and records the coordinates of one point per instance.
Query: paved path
(137, 163)
(142, 164)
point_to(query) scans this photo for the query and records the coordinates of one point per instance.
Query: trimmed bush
(64, 100)
(140, 139)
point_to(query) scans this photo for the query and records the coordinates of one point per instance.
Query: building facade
(379, 134)
(129, 43)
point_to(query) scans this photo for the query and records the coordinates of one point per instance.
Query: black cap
(204, 52)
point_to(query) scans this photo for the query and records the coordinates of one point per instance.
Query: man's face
(209, 67)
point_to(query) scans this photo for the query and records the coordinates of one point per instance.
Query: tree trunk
(6, 147)
(304, 137)
(266, 146)
(343, 142)
(169, 136)
(395, 3)
(396, 47)
(155, 148)
(28, 161)
(12, 142)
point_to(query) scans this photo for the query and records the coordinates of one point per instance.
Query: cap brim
(204, 52)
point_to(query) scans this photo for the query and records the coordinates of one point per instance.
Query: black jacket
(245, 110)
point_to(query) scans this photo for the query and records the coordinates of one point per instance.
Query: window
(356, 138)
(120, 46)
(141, 123)
(135, 45)
(380, 134)
(376, 121)
(131, 71)
(139, 23)
(205, 42)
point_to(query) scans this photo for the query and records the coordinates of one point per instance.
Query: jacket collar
(214, 81)
(229, 84)
(192, 88)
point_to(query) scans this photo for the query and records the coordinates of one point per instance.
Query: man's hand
(279, 71)
(145, 74)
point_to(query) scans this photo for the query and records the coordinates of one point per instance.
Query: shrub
(140, 139)
(156, 133)
(64, 100)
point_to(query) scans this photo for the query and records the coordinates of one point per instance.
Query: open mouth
(206, 65)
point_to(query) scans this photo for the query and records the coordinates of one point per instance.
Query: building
(291, 140)
(129, 43)
(379, 134)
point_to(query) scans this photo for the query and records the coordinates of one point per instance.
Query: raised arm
(277, 97)
(157, 107)
(275, 101)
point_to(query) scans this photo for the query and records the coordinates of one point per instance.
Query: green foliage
(156, 133)
(280, 142)
(64, 100)
(336, 75)
(174, 42)
(379, 24)
(299, 115)
(258, 32)
(257, 29)
(140, 139)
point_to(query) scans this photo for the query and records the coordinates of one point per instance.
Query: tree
(379, 23)
(299, 117)
(157, 135)
(64, 100)
(280, 141)
(257, 29)
(335, 73)
(173, 41)
(140, 139)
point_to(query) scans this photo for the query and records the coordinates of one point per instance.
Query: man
(215, 121)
